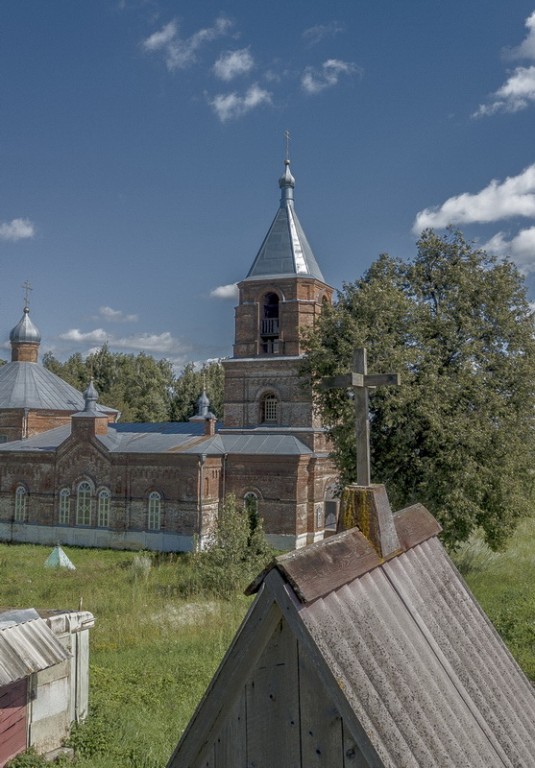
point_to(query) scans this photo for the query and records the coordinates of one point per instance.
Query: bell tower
(282, 295)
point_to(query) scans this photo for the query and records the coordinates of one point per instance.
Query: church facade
(71, 472)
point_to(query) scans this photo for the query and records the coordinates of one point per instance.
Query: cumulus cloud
(97, 336)
(232, 64)
(154, 343)
(181, 53)
(17, 229)
(515, 94)
(520, 248)
(225, 292)
(314, 35)
(314, 80)
(513, 197)
(526, 49)
(116, 315)
(230, 106)
(518, 91)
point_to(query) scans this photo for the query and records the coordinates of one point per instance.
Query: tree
(137, 385)
(190, 384)
(457, 435)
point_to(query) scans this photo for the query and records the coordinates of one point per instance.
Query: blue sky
(141, 142)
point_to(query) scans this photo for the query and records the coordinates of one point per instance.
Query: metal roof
(31, 385)
(27, 645)
(175, 437)
(25, 331)
(285, 250)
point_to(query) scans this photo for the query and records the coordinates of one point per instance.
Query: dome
(25, 332)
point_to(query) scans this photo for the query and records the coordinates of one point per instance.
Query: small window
(103, 514)
(83, 504)
(270, 409)
(64, 507)
(155, 511)
(3, 438)
(20, 504)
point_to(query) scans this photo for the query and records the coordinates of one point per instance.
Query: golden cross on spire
(27, 288)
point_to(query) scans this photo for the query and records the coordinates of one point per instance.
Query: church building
(72, 473)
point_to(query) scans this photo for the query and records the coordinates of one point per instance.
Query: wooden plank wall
(283, 717)
(13, 717)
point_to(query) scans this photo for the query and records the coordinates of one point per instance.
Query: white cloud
(116, 315)
(232, 105)
(163, 343)
(17, 229)
(319, 32)
(515, 94)
(518, 91)
(225, 292)
(526, 49)
(232, 64)
(314, 81)
(98, 336)
(182, 53)
(513, 197)
(520, 249)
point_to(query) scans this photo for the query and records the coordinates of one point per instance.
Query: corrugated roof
(30, 385)
(408, 664)
(427, 675)
(27, 647)
(285, 250)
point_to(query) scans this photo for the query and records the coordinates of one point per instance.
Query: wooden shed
(353, 656)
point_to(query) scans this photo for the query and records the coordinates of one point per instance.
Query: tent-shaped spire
(58, 559)
(285, 250)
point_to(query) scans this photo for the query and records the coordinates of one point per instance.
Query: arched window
(269, 412)
(20, 504)
(103, 509)
(269, 324)
(155, 511)
(83, 503)
(64, 506)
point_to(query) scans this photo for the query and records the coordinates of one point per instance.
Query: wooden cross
(360, 381)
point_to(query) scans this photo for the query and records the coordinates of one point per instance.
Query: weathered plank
(414, 525)
(230, 748)
(318, 569)
(273, 704)
(217, 703)
(321, 724)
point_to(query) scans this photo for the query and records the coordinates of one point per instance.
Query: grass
(153, 651)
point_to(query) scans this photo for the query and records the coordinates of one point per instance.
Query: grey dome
(25, 332)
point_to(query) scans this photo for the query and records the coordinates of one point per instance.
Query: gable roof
(343, 654)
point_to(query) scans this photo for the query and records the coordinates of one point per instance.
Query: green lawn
(153, 651)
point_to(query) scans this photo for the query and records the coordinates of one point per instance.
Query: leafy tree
(457, 435)
(189, 385)
(239, 551)
(137, 385)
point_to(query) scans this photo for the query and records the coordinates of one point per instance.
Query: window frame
(64, 507)
(154, 511)
(21, 504)
(103, 508)
(84, 496)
